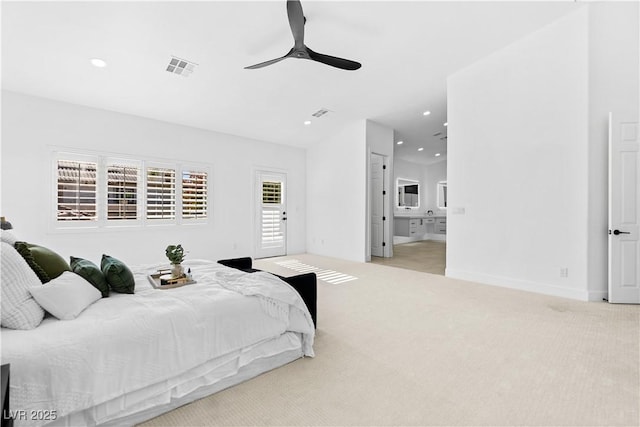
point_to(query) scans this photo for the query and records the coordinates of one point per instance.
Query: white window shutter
(122, 192)
(77, 188)
(194, 195)
(161, 193)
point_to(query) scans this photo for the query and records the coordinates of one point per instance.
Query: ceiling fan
(299, 49)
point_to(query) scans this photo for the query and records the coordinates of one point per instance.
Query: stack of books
(168, 279)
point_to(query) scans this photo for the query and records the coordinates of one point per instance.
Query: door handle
(616, 232)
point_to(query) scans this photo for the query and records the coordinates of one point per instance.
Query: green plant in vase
(176, 255)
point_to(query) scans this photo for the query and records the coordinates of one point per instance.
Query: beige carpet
(428, 256)
(399, 347)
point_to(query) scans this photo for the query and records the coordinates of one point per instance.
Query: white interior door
(624, 211)
(271, 215)
(377, 205)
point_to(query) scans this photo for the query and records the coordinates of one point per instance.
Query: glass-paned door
(271, 215)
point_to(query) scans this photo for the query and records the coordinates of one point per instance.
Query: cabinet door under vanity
(440, 226)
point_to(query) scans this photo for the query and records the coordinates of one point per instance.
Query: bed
(130, 357)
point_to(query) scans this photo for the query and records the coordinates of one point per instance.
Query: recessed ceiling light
(400, 142)
(97, 62)
(307, 122)
(437, 154)
(426, 113)
(420, 149)
(446, 123)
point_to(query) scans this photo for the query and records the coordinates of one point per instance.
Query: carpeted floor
(428, 256)
(400, 347)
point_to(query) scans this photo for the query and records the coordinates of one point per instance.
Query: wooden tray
(155, 281)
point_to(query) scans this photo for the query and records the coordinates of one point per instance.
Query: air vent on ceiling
(321, 112)
(181, 66)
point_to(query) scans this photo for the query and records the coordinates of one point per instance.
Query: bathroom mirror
(441, 191)
(408, 193)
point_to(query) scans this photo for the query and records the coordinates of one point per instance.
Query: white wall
(337, 194)
(31, 125)
(614, 86)
(518, 163)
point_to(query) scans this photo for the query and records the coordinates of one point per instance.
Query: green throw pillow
(118, 275)
(43, 261)
(91, 273)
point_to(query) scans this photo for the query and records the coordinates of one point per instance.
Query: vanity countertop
(418, 216)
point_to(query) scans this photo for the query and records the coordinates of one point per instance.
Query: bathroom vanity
(418, 226)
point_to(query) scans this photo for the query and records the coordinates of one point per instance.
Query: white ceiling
(407, 49)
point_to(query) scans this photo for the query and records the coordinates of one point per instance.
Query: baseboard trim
(522, 285)
(598, 296)
(398, 240)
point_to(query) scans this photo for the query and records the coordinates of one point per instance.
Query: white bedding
(126, 343)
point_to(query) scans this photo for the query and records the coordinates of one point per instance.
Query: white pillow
(19, 309)
(66, 296)
(7, 237)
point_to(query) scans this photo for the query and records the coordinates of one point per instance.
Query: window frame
(195, 168)
(73, 157)
(140, 202)
(152, 222)
(103, 161)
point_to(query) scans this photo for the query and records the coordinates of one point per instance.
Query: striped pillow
(19, 309)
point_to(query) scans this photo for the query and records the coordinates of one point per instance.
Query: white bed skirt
(201, 381)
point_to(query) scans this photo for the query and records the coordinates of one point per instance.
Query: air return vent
(180, 66)
(321, 112)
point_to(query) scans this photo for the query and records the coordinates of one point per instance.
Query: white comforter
(124, 343)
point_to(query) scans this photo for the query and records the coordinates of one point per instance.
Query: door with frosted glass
(271, 215)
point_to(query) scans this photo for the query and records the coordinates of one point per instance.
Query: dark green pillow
(23, 249)
(50, 262)
(118, 275)
(91, 273)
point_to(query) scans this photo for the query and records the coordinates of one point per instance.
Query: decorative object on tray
(164, 279)
(176, 255)
(4, 224)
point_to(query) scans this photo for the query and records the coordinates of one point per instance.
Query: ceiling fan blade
(264, 64)
(296, 21)
(334, 61)
(299, 50)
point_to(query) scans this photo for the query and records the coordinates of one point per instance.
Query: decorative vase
(177, 270)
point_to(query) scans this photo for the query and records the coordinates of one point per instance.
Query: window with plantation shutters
(102, 190)
(77, 188)
(161, 193)
(194, 195)
(122, 192)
